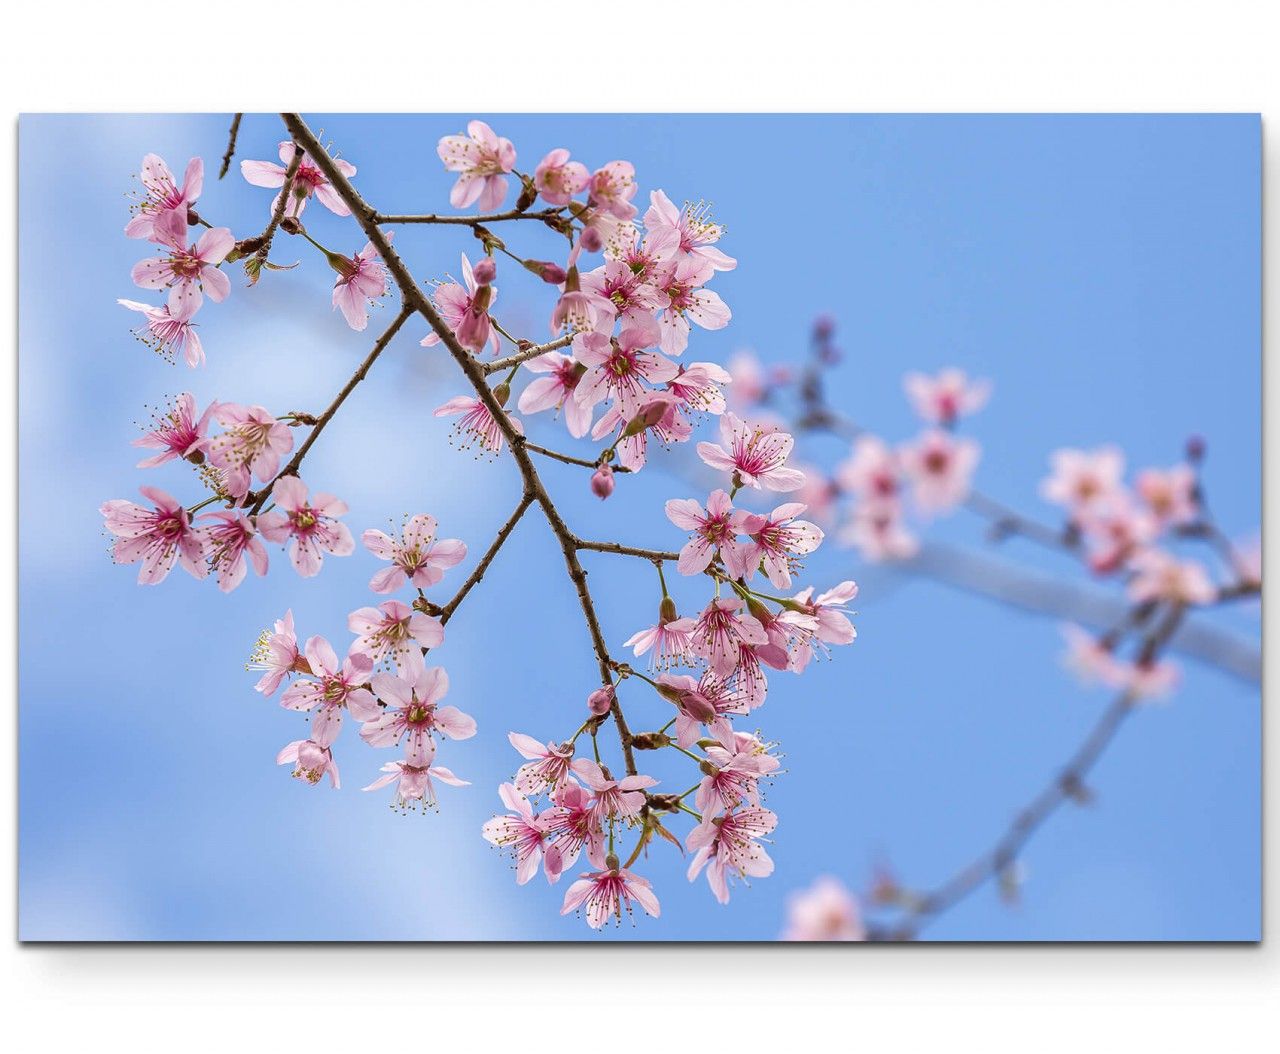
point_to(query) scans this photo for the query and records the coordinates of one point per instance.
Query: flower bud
(602, 482)
(601, 700)
(648, 416)
(591, 241)
(1196, 447)
(650, 740)
(485, 271)
(552, 274)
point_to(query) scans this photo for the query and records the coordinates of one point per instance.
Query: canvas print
(483, 527)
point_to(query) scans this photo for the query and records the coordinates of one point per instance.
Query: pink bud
(591, 241)
(473, 331)
(600, 701)
(553, 274)
(602, 482)
(485, 271)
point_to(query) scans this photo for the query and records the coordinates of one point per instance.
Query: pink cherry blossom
(719, 632)
(715, 530)
(618, 368)
(466, 311)
(750, 382)
(276, 653)
(167, 336)
(252, 445)
(686, 232)
(187, 270)
(1082, 480)
(728, 845)
(311, 762)
(571, 823)
(309, 180)
(163, 195)
(159, 536)
(942, 399)
(177, 432)
(670, 641)
(733, 772)
(335, 688)
(831, 623)
(698, 386)
(755, 453)
(1157, 575)
(361, 279)
(940, 467)
(699, 703)
(606, 894)
(548, 766)
(613, 798)
(477, 424)
(394, 630)
(778, 541)
(228, 541)
(413, 783)
(632, 296)
(611, 189)
(413, 713)
(684, 300)
(521, 832)
(582, 311)
(556, 391)
(658, 415)
(1170, 494)
(416, 556)
(481, 158)
(826, 911)
(558, 179)
(313, 525)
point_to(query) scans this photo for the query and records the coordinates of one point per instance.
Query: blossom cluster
(628, 293)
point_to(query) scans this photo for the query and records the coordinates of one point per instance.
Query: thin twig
(527, 354)
(446, 613)
(295, 462)
(656, 555)
(469, 221)
(231, 145)
(569, 459)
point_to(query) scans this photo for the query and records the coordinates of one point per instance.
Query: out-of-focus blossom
(1169, 494)
(941, 467)
(944, 398)
(1090, 659)
(1158, 575)
(878, 531)
(826, 911)
(1082, 480)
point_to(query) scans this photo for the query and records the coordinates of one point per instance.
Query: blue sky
(1102, 271)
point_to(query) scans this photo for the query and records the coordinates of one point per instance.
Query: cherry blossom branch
(475, 374)
(569, 459)
(291, 469)
(541, 215)
(231, 145)
(656, 555)
(504, 532)
(525, 355)
(1068, 784)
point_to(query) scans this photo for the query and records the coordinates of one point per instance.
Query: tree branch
(414, 297)
(531, 352)
(504, 532)
(231, 145)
